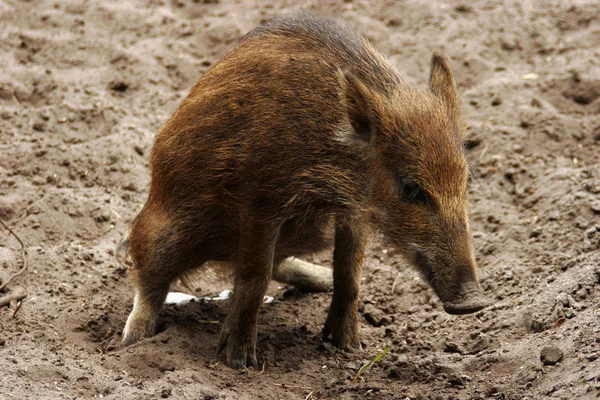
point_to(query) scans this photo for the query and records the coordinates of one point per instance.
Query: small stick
(396, 281)
(24, 268)
(5, 301)
(13, 94)
(575, 181)
(283, 385)
(262, 370)
(483, 152)
(16, 306)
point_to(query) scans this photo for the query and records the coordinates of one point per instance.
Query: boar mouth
(463, 296)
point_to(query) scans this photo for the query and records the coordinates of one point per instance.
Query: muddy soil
(84, 87)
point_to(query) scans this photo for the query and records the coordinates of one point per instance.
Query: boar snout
(469, 298)
(457, 288)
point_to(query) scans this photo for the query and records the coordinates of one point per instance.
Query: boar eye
(411, 192)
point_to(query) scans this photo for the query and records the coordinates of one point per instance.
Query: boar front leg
(252, 276)
(348, 254)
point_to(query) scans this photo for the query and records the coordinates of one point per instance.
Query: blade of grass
(368, 365)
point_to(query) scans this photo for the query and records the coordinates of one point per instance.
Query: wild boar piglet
(301, 137)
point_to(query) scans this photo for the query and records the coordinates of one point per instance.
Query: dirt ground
(84, 87)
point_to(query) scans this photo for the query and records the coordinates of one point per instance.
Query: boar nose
(468, 299)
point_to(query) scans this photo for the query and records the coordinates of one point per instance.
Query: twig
(283, 385)
(24, 268)
(18, 296)
(309, 395)
(16, 308)
(482, 154)
(13, 94)
(261, 371)
(254, 375)
(396, 281)
(116, 214)
(574, 180)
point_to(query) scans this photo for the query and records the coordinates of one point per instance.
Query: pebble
(455, 380)
(453, 347)
(131, 187)
(480, 345)
(38, 126)
(375, 316)
(536, 232)
(354, 365)
(551, 355)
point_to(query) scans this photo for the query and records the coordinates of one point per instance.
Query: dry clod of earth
(551, 355)
(85, 86)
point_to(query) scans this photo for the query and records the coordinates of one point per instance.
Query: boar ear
(359, 104)
(441, 82)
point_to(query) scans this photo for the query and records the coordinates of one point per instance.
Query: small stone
(138, 149)
(536, 232)
(578, 135)
(455, 380)
(480, 344)
(539, 324)
(375, 316)
(582, 223)
(568, 264)
(412, 326)
(354, 365)
(473, 141)
(550, 131)
(165, 393)
(102, 217)
(551, 355)
(118, 86)
(38, 126)
(453, 347)
(2, 342)
(510, 43)
(464, 8)
(131, 187)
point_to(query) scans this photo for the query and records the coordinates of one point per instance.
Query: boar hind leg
(342, 320)
(159, 256)
(303, 275)
(254, 267)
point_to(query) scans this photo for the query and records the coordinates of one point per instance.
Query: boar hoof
(343, 332)
(238, 354)
(138, 327)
